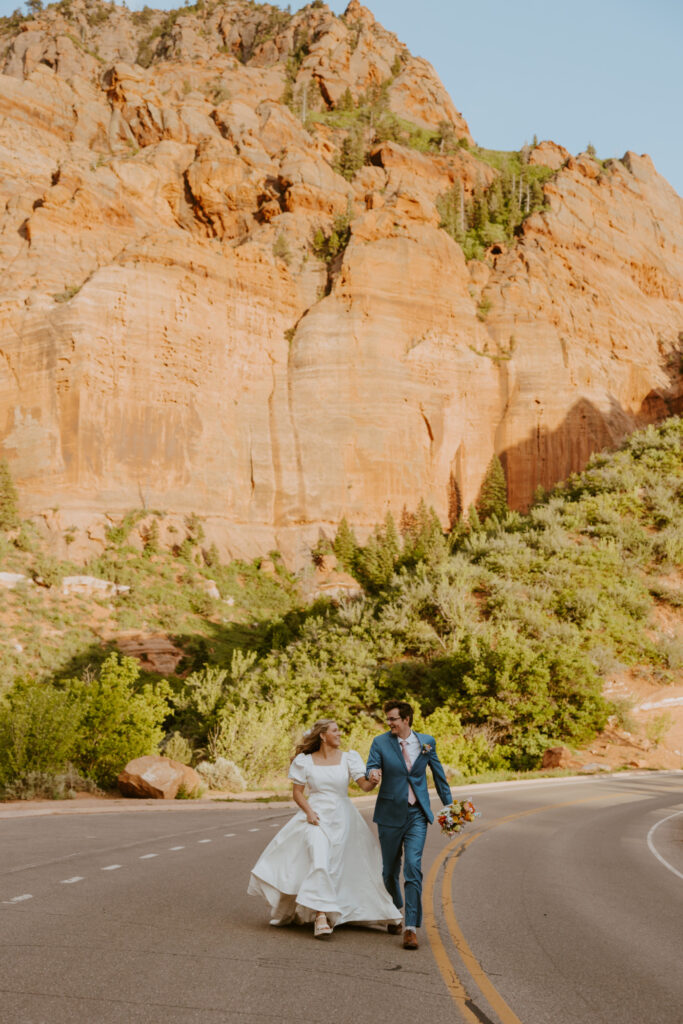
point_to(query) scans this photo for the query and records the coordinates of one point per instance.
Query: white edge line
(654, 850)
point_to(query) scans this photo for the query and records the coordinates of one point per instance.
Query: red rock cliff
(173, 334)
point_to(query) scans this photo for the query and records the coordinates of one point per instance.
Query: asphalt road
(562, 904)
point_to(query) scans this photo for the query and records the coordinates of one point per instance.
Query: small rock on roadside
(593, 768)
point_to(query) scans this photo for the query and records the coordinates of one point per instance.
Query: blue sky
(600, 71)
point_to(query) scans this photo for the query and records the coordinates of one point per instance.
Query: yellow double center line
(476, 971)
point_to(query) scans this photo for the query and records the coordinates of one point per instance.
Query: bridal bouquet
(454, 817)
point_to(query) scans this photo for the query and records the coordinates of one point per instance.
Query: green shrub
(281, 249)
(118, 719)
(328, 247)
(259, 738)
(178, 748)
(35, 785)
(38, 731)
(222, 774)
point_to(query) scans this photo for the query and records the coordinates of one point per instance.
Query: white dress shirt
(413, 747)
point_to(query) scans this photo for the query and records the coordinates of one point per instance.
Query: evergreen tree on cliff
(9, 499)
(493, 495)
(345, 545)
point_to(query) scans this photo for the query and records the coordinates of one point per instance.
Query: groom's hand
(375, 776)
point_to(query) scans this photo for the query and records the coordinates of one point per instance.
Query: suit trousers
(405, 841)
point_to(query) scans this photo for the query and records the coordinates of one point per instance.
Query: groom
(398, 760)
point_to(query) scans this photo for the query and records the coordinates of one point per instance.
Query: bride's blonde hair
(310, 741)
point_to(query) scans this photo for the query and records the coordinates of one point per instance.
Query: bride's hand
(312, 818)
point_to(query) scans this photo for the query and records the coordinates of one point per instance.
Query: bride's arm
(300, 799)
(365, 784)
(358, 773)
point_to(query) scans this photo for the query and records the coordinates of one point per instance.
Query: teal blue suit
(402, 827)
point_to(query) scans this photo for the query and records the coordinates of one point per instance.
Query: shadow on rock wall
(546, 457)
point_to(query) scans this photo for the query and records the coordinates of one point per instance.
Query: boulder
(154, 651)
(335, 585)
(210, 587)
(10, 580)
(158, 778)
(90, 586)
(557, 757)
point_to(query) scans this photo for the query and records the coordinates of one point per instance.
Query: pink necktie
(409, 764)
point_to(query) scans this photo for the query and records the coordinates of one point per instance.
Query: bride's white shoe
(321, 928)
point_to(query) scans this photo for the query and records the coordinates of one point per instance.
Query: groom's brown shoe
(395, 929)
(410, 940)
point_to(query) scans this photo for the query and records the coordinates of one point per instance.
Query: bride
(324, 865)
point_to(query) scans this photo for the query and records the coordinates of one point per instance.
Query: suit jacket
(392, 804)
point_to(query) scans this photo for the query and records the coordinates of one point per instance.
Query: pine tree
(492, 499)
(346, 101)
(9, 499)
(423, 539)
(370, 567)
(346, 546)
(473, 520)
(351, 156)
(390, 538)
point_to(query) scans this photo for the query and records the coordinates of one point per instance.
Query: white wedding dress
(335, 866)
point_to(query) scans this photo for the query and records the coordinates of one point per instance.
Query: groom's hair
(402, 706)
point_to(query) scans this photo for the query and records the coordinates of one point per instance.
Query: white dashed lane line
(144, 856)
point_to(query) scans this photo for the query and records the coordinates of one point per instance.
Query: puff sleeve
(355, 764)
(297, 770)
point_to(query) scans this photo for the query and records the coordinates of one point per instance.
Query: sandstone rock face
(158, 778)
(174, 337)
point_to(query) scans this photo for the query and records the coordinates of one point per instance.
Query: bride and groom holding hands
(325, 866)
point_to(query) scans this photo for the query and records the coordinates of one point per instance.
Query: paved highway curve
(562, 904)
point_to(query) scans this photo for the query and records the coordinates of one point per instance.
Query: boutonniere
(426, 748)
